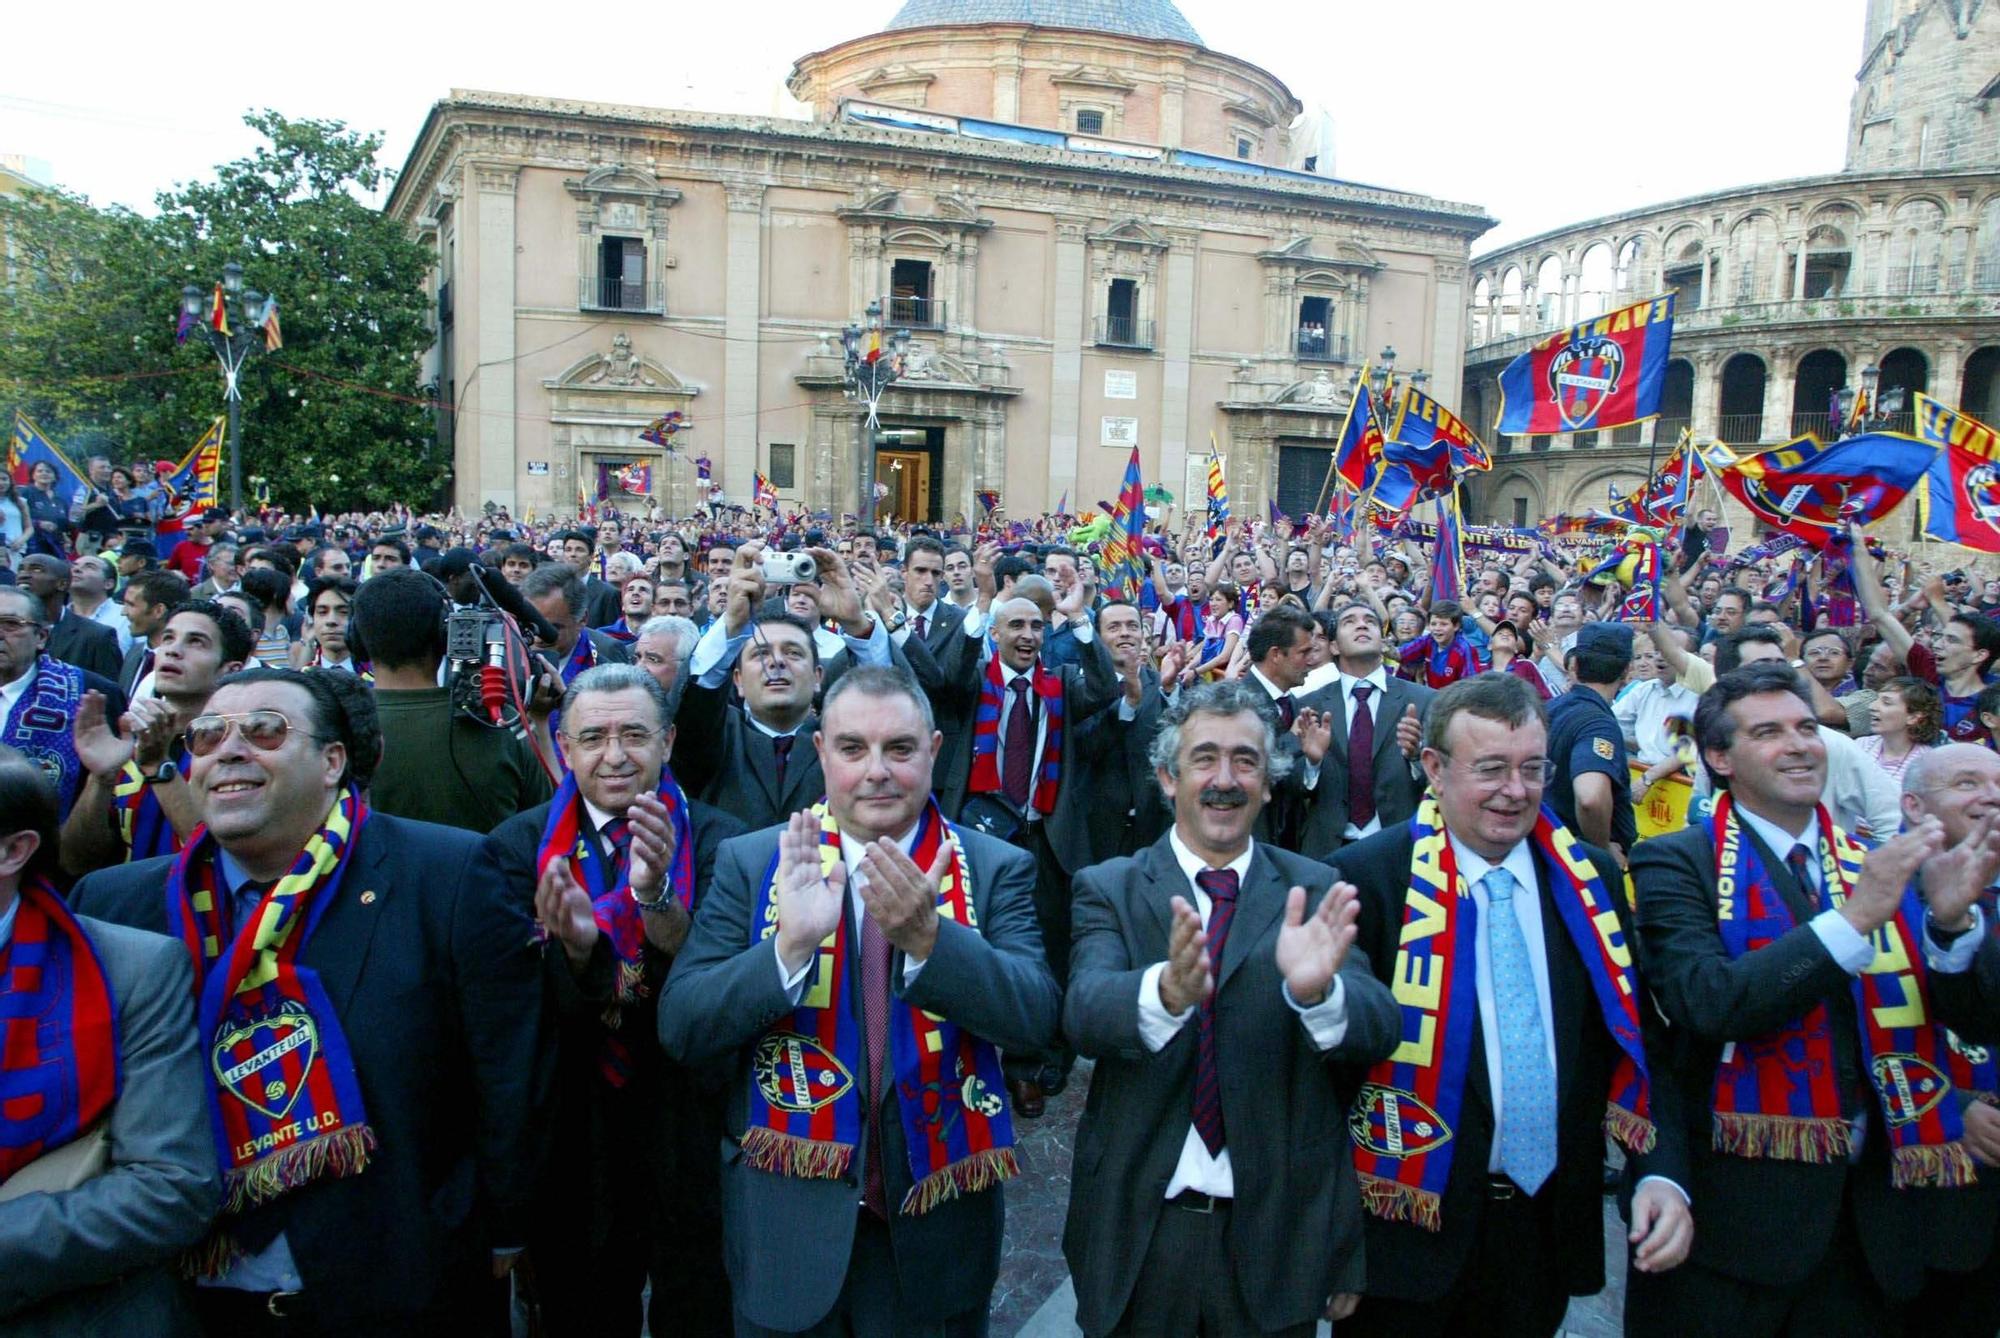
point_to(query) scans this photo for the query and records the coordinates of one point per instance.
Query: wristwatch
(659, 904)
(901, 621)
(164, 774)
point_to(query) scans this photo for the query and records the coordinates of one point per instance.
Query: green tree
(337, 418)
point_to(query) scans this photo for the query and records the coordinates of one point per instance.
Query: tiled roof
(1133, 18)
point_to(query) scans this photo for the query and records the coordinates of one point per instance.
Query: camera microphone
(502, 592)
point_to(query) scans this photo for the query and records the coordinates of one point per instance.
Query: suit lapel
(763, 758)
(339, 946)
(802, 761)
(1339, 709)
(1259, 904)
(1387, 712)
(1164, 882)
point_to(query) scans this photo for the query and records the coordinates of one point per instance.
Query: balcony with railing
(1319, 346)
(611, 292)
(1122, 332)
(1908, 279)
(1739, 429)
(915, 313)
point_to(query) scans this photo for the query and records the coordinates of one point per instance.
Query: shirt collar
(1379, 679)
(1777, 838)
(13, 692)
(1270, 688)
(1473, 866)
(774, 733)
(852, 851)
(7, 922)
(598, 816)
(1192, 864)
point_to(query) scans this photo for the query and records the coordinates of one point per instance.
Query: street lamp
(244, 312)
(869, 369)
(1876, 410)
(1382, 383)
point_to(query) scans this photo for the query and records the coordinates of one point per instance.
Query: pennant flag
(1062, 506)
(661, 430)
(1360, 446)
(1603, 373)
(1814, 490)
(183, 325)
(1661, 500)
(1635, 565)
(1341, 513)
(1123, 568)
(218, 313)
(274, 338)
(1961, 497)
(31, 446)
(764, 492)
(190, 486)
(1447, 554)
(635, 478)
(1218, 492)
(988, 499)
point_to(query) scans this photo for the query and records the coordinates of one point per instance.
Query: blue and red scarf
(618, 916)
(1777, 1095)
(808, 1083)
(142, 824)
(60, 1064)
(42, 725)
(582, 656)
(1405, 1117)
(617, 631)
(284, 1100)
(986, 736)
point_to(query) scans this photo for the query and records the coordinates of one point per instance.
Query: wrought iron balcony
(1123, 332)
(610, 292)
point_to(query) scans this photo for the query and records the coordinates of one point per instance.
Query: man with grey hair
(1959, 1229)
(39, 694)
(826, 946)
(616, 862)
(1188, 1208)
(663, 648)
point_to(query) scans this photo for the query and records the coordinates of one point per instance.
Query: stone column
(493, 478)
(1707, 264)
(742, 299)
(1780, 380)
(1447, 352)
(1173, 99)
(1707, 393)
(966, 307)
(1799, 271)
(1065, 363)
(1947, 367)
(1007, 85)
(1176, 347)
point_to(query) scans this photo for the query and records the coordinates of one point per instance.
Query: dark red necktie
(617, 835)
(781, 749)
(1802, 871)
(923, 627)
(875, 1025)
(1288, 711)
(1220, 884)
(1361, 760)
(1017, 770)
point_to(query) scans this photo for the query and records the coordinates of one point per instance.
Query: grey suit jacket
(88, 645)
(1295, 1227)
(99, 1258)
(1397, 786)
(786, 1240)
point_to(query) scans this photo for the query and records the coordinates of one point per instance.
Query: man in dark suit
(826, 1236)
(1520, 1070)
(1959, 785)
(424, 971)
(557, 593)
(1279, 646)
(1128, 813)
(40, 696)
(1363, 731)
(147, 599)
(73, 639)
(577, 550)
(1212, 1189)
(93, 1255)
(1790, 1244)
(754, 761)
(632, 1195)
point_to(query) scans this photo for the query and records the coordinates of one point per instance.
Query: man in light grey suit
(1215, 982)
(99, 1258)
(850, 1250)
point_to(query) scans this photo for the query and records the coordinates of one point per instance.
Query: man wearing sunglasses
(371, 1021)
(136, 802)
(40, 695)
(615, 863)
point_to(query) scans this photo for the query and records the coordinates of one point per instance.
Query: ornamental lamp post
(868, 369)
(1876, 409)
(235, 322)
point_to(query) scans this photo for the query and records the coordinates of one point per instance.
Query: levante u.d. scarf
(807, 1080)
(1777, 1095)
(1047, 686)
(60, 1066)
(284, 1100)
(1405, 1118)
(142, 823)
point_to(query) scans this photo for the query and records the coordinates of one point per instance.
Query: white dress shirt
(851, 853)
(1325, 1022)
(11, 693)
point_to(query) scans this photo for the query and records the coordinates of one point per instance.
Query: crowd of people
(702, 965)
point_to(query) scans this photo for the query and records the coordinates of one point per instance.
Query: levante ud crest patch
(1582, 375)
(1393, 1123)
(264, 1062)
(796, 1073)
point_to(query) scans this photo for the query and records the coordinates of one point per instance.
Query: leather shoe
(1027, 1095)
(1053, 1078)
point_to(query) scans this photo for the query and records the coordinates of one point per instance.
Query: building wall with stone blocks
(1925, 96)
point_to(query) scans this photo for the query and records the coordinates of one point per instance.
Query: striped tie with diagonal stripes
(1221, 886)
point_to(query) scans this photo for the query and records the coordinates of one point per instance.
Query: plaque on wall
(1119, 432)
(538, 468)
(1121, 385)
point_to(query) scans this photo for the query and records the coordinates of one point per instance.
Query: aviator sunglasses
(264, 730)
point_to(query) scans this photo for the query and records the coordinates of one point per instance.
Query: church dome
(1156, 19)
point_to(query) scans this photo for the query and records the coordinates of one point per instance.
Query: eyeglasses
(631, 738)
(265, 731)
(1492, 773)
(10, 624)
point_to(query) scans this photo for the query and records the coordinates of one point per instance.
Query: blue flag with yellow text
(1961, 497)
(31, 446)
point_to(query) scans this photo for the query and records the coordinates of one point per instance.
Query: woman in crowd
(1221, 629)
(1908, 716)
(16, 525)
(48, 511)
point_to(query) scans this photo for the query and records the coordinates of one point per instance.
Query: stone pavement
(1034, 1299)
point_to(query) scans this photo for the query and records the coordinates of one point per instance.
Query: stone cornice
(475, 117)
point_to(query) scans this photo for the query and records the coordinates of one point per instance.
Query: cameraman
(437, 765)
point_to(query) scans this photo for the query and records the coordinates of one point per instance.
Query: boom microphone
(502, 592)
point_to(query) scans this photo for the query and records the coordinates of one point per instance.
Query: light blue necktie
(1527, 1082)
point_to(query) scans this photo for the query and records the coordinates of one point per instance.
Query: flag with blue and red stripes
(1602, 373)
(1815, 490)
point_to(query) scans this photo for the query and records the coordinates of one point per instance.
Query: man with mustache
(384, 1185)
(617, 861)
(1480, 1140)
(856, 968)
(1210, 1190)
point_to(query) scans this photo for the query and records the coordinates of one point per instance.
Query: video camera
(490, 665)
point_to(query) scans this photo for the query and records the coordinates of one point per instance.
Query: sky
(1482, 101)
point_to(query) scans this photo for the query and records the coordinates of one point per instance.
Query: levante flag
(1815, 491)
(190, 487)
(636, 478)
(1602, 373)
(31, 446)
(1354, 459)
(1447, 556)
(1961, 497)
(1218, 494)
(1123, 568)
(1660, 500)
